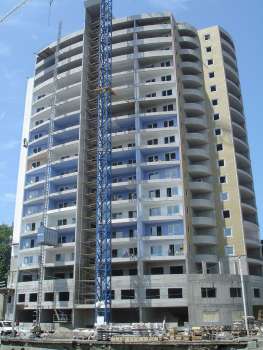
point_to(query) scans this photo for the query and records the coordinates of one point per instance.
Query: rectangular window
(170, 156)
(49, 296)
(227, 231)
(208, 292)
(168, 108)
(63, 296)
(224, 196)
(219, 147)
(222, 179)
(211, 75)
(176, 270)
(156, 250)
(28, 260)
(221, 162)
(226, 214)
(152, 293)
(172, 210)
(157, 270)
(33, 297)
(112, 292)
(175, 293)
(210, 62)
(215, 102)
(127, 294)
(235, 292)
(133, 272)
(256, 293)
(21, 298)
(217, 132)
(207, 36)
(208, 49)
(216, 116)
(117, 272)
(168, 123)
(155, 211)
(229, 250)
(213, 88)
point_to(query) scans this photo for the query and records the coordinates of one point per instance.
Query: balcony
(199, 170)
(189, 55)
(191, 68)
(200, 187)
(205, 240)
(195, 124)
(198, 154)
(203, 204)
(197, 139)
(203, 222)
(189, 42)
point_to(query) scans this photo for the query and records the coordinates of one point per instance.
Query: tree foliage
(5, 250)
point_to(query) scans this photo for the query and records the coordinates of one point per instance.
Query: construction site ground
(128, 344)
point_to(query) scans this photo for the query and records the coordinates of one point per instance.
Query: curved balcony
(234, 89)
(186, 29)
(203, 222)
(235, 103)
(191, 68)
(239, 131)
(67, 78)
(229, 60)
(248, 208)
(243, 162)
(237, 117)
(228, 48)
(199, 170)
(197, 139)
(244, 176)
(205, 240)
(192, 81)
(195, 123)
(200, 187)
(196, 154)
(231, 74)
(189, 42)
(202, 204)
(190, 55)
(193, 95)
(240, 146)
(246, 192)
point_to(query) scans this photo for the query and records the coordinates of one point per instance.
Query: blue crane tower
(104, 180)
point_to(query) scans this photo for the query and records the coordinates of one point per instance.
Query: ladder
(47, 178)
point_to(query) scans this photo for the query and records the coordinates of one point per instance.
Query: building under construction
(183, 216)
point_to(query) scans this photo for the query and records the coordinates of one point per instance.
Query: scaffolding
(43, 232)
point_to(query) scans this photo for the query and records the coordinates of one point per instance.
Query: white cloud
(170, 4)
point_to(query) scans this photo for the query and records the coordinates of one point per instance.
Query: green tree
(5, 250)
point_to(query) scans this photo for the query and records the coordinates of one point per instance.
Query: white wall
(22, 163)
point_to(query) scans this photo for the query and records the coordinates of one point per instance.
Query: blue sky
(30, 29)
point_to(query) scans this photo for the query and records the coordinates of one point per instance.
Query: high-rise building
(184, 217)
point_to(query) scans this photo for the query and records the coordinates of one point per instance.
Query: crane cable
(16, 8)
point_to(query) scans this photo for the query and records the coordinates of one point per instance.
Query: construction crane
(17, 8)
(104, 180)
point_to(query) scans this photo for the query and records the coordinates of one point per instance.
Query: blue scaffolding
(103, 198)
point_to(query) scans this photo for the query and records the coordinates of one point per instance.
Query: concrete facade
(183, 204)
